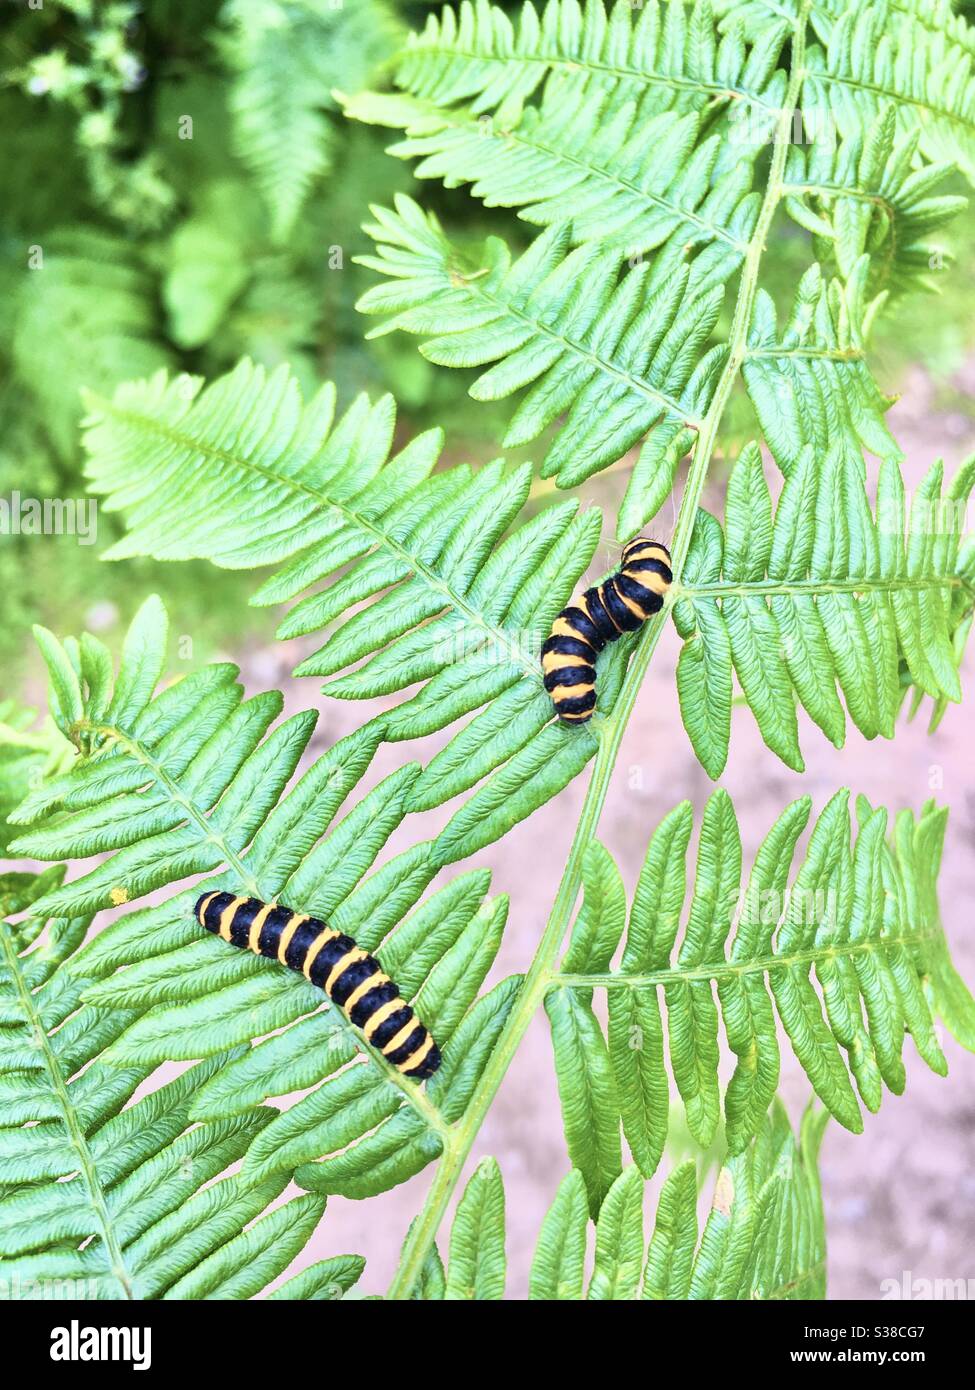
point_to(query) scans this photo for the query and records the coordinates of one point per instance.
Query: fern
(864, 918)
(286, 56)
(476, 54)
(122, 1201)
(863, 196)
(447, 611)
(615, 173)
(90, 304)
(192, 782)
(627, 355)
(617, 356)
(629, 321)
(872, 54)
(763, 1238)
(912, 52)
(824, 595)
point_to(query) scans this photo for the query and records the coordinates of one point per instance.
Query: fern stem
(728, 969)
(819, 587)
(611, 730)
(76, 1134)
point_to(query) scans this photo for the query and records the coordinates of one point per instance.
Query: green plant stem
(611, 730)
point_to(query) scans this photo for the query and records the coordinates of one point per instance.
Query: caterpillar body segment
(603, 613)
(352, 979)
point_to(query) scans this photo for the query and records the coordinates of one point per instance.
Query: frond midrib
(451, 599)
(715, 91)
(926, 107)
(539, 976)
(822, 587)
(638, 384)
(727, 969)
(87, 1165)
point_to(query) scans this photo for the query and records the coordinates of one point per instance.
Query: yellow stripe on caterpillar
(254, 935)
(313, 950)
(289, 931)
(227, 917)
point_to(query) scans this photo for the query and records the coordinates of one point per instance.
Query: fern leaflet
(863, 918)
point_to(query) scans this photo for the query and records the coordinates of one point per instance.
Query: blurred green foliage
(180, 191)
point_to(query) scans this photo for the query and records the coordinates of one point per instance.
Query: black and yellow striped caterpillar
(601, 615)
(350, 977)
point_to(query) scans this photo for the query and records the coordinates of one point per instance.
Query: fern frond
(764, 1237)
(864, 918)
(668, 54)
(287, 55)
(875, 54)
(826, 595)
(27, 753)
(100, 1189)
(960, 618)
(809, 382)
(192, 781)
(90, 306)
(617, 356)
(864, 195)
(623, 177)
(452, 607)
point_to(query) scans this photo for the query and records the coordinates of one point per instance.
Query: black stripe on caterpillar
(351, 978)
(603, 613)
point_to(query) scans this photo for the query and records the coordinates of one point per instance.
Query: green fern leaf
(764, 1237)
(192, 781)
(810, 385)
(91, 304)
(286, 56)
(558, 1266)
(476, 1268)
(828, 595)
(875, 54)
(634, 165)
(454, 606)
(864, 195)
(327, 1280)
(668, 54)
(114, 1193)
(616, 355)
(863, 917)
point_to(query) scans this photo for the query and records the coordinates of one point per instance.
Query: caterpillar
(350, 977)
(601, 615)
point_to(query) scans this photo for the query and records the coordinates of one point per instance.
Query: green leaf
(863, 916)
(558, 1265)
(764, 1237)
(829, 595)
(476, 1267)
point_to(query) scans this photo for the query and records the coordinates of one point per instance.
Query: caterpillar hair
(350, 977)
(601, 615)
